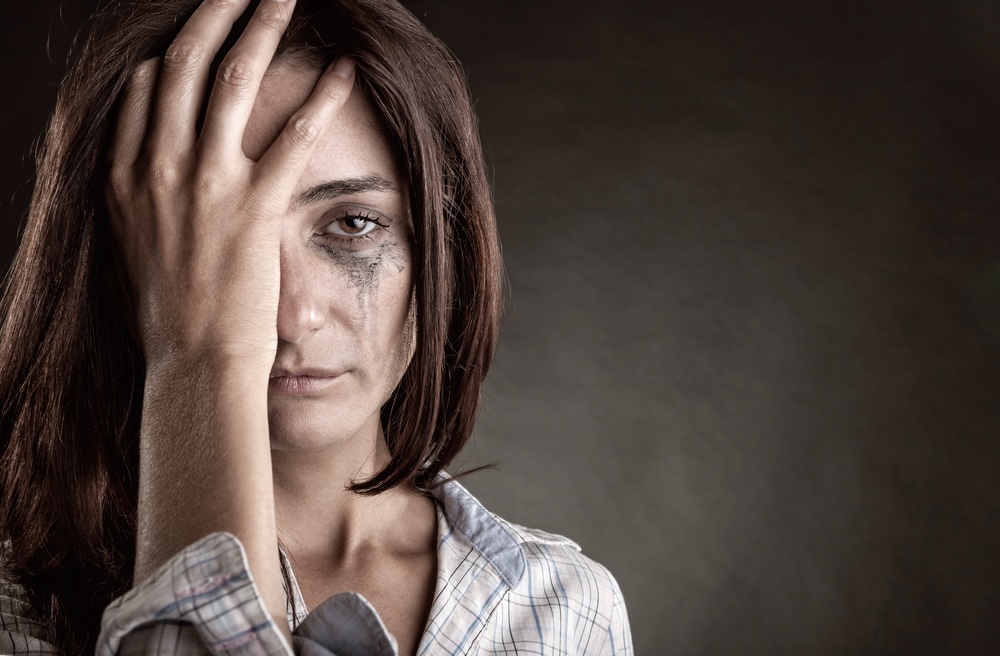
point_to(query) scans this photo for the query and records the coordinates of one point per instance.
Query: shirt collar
(487, 533)
(459, 512)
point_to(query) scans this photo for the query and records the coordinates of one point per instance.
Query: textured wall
(753, 250)
(751, 359)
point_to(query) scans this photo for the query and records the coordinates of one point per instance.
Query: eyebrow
(346, 187)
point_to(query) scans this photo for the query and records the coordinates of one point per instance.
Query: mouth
(301, 383)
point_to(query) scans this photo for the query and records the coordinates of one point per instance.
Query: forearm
(200, 228)
(205, 466)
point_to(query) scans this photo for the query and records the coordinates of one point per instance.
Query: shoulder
(566, 599)
(550, 551)
(557, 596)
(559, 572)
(558, 563)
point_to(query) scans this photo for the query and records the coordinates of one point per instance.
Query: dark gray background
(751, 360)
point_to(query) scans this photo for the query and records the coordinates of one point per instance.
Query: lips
(291, 372)
(302, 381)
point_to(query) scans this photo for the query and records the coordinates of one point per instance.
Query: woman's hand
(199, 225)
(198, 222)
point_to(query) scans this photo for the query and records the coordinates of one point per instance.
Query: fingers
(185, 70)
(282, 165)
(240, 75)
(133, 114)
(133, 119)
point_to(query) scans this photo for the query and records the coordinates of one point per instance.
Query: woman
(255, 300)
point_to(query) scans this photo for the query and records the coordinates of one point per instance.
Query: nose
(299, 311)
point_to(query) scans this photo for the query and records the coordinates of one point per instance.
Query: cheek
(375, 292)
(407, 341)
(363, 274)
(399, 318)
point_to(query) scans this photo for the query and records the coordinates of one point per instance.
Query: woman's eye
(351, 226)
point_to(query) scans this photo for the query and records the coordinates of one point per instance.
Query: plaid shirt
(501, 589)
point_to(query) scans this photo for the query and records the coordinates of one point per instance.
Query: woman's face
(345, 324)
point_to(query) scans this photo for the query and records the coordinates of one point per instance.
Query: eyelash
(352, 240)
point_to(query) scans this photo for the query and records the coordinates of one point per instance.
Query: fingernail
(343, 67)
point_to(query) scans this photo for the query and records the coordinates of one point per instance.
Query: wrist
(210, 365)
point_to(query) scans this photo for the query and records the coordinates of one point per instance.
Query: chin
(298, 429)
(297, 442)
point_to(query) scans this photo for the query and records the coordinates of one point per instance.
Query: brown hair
(71, 373)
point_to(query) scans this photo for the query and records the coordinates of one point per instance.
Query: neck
(319, 518)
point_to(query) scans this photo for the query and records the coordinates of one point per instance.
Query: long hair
(71, 371)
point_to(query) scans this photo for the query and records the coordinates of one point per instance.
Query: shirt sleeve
(619, 641)
(204, 601)
(20, 631)
(201, 601)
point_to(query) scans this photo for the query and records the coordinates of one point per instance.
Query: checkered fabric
(501, 589)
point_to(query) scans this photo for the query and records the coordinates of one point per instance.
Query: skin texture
(345, 307)
(274, 312)
(345, 280)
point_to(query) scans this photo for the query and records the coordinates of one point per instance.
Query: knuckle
(143, 73)
(162, 176)
(303, 129)
(235, 73)
(335, 91)
(272, 15)
(183, 55)
(208, 184)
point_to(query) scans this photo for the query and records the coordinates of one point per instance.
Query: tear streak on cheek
(365, 270)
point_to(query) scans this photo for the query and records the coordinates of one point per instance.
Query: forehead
(353, 144)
